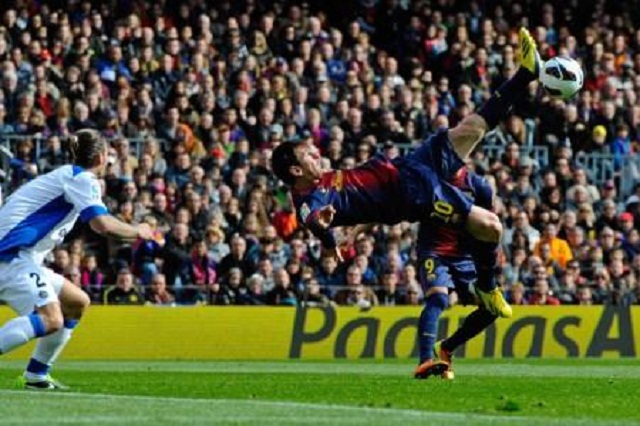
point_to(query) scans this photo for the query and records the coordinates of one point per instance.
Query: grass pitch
(531, 392)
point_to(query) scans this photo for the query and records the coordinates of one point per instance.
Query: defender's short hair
(84, 146)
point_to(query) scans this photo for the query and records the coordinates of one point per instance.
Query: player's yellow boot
(445, 356)
(495, 303)
(430, 368)
(528, 54)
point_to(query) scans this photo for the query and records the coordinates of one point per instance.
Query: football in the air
(562, 77)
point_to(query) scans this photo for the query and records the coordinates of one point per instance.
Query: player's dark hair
(282, 158)
(83, 147)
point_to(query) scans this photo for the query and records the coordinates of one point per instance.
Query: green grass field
(531, 392)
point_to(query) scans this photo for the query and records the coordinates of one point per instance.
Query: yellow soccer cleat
(440, 354)
(528, 54)
(495, 303)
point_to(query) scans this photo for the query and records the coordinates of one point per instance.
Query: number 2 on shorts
(39, 282)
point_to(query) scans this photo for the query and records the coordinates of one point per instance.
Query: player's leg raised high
(445, 152)
(466, 135)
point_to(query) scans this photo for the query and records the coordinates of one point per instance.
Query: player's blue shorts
(452, 273)
(425, 174)
(437, 153)
(427, 196)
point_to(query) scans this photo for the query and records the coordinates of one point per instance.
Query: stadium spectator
(312, 294)
(124, 292)
(61, 260)
(157, 293)
(255, 291)
(91, 278)
(558, 249)
(176, 256)
(217, 294)
(202, 268)
(146, 253)
(389, 294)
(72, 273)
(237, 258)
(541, 294)
(413, 296)
(218, 249)
(282, 293)
(516, 295)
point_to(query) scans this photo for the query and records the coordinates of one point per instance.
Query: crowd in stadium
(195, 95)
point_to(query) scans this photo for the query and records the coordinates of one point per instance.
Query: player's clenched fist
(325, 216)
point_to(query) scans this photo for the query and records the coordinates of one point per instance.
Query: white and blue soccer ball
(562, 77)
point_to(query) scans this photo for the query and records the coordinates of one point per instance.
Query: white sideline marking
(408, 414)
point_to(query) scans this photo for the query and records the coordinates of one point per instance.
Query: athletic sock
(503, 99)
(19, 331)
(428, 324)
(473, 325)
(48, 350)
(485, 257)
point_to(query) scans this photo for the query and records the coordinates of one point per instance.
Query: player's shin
(485, 256)
(508, 93)
(19, 331)
(47, 351)
(473, 325)
(486, 229)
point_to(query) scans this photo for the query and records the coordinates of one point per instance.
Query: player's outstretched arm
(111, 227)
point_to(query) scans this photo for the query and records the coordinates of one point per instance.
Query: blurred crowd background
(194, 95)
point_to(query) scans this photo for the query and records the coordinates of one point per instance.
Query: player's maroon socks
(503, 99)
(473, 325)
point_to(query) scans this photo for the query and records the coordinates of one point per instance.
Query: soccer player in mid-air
(415, 187)
(34, 219)
(450, 259)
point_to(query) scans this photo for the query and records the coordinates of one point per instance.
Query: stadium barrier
(145, 332)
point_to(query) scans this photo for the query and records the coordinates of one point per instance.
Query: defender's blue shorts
(452, 273)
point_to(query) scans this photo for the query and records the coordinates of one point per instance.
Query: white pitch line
(353, 410)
